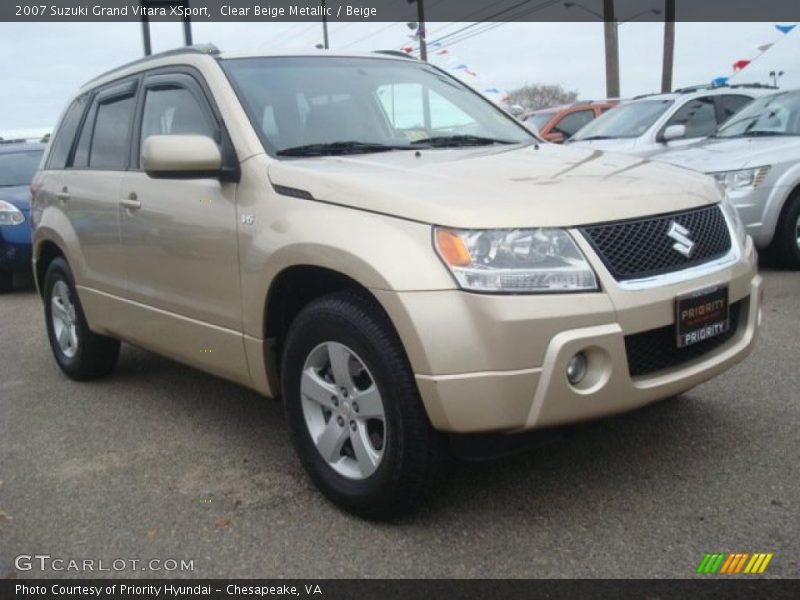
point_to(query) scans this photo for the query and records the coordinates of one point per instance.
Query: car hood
(716, 154)
(19, 196)
(499, 186)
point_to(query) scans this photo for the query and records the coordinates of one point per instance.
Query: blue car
(18, 163)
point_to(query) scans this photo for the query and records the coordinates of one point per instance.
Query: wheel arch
(291, 290)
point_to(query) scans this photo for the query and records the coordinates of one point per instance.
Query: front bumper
(498, 363)
(15, 247)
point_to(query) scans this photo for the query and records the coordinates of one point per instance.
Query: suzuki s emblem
(680, 234)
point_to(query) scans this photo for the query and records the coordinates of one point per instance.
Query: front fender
(377, 251)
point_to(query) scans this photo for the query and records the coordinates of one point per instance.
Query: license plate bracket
(701, 315)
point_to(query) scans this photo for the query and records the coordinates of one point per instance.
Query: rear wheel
(786, 245)
(6, 281)
(81, 353)
(354, 411)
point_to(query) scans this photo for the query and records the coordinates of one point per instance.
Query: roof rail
(398, 53)
(711, 86)
(209, 49)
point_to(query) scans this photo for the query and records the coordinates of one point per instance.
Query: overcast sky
(46, 62)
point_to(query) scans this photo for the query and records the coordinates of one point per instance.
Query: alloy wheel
(64, 319)
(343, 410)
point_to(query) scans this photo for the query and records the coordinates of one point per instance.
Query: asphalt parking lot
(162, 461)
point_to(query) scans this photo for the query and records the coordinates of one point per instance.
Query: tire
(785, 248)
(406, 453)
(6, 281)
(85, 355)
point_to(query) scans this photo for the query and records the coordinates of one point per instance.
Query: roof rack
(209, 49)
(711, 86)
(398, 53)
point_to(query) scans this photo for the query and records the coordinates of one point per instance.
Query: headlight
(10, 214)
(745, 179)
(734, 219)
(514, 260)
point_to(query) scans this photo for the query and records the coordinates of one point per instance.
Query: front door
(178, 239)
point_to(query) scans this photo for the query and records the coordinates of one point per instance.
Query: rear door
(89, 187)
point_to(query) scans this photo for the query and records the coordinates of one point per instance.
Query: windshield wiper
(348, 147)
(594, 137)
(443, 141)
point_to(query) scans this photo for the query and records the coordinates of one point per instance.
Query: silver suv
(385, 250)
(651, 124)
(756, 158)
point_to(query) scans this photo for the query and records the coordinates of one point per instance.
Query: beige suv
(385, 250)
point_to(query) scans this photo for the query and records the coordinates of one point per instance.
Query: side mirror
(673, 132)
(516, 110)
(556, 137)
(181, 156)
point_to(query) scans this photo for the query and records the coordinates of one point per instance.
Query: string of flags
(439, 55)
(742, 64)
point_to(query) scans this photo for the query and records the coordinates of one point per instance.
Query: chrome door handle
(63, 195)
(131, 202)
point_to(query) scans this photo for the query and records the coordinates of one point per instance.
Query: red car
(557, 123)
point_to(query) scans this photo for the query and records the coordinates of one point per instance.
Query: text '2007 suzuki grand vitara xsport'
(384, 249)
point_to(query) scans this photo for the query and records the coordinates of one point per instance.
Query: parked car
(280, 221)
(651, 124)
(18, 163)
(756, 158)
(559, 123)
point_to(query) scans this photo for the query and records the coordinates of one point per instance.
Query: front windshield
(777, 114)
(17, 168)
(627, 120)
(295, 102)
(539, 120)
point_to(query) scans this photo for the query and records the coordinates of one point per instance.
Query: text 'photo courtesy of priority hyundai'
(386, 251)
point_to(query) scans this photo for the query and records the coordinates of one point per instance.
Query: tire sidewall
(322, 326)
(789, 233)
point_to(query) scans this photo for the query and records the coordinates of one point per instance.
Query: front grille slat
(641, 248)
(655, 350)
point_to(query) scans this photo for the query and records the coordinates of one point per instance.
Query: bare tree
(537, 95)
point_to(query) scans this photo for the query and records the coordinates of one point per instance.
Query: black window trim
(190, 79)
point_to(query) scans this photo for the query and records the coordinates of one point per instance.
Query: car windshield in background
(625, 121)
(539, 120)
(310, 106)
(774, 115)
(17, 168)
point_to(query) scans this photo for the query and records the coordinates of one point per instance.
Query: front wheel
(354, 411)
(81, 353)
(786, 245)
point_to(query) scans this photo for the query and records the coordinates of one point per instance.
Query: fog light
(576, 369)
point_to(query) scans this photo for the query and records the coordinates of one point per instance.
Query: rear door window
(730, 104)
(572, 122)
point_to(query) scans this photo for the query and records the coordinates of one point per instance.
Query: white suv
(656, 123)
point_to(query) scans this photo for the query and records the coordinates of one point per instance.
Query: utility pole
(611, 28)
(423, 44)
(324, 26)
(669, 46)
(187, 23)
